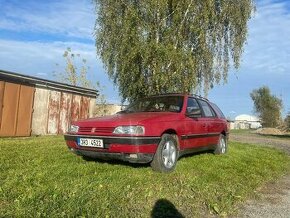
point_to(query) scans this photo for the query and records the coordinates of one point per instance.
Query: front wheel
(166, 155)
(222, 145)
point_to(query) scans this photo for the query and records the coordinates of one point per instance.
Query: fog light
(133, 155)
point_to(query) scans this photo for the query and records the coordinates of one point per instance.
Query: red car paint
(192, 133)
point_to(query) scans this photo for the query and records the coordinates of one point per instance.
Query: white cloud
(39, 31)
(67, 17)
(265, 60)
(39, 58)
(268, 48)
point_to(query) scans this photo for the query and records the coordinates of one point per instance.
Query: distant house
(245, 121)
(35, 106)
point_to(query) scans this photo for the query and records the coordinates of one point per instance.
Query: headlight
(73, 128)
(130, 130)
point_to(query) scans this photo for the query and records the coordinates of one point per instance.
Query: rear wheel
(166, 155)
(222, 145)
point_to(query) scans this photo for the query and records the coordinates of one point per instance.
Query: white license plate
(97, 143)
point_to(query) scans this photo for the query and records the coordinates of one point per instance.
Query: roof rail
(172, 93)
(199, 96)
(179, 93)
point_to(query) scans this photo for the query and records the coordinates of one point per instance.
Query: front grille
(96, 129)
(85, 129)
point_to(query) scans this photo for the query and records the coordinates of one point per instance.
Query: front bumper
(132, 149)
(133, 158)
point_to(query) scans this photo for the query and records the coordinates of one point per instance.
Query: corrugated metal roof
(48, 84)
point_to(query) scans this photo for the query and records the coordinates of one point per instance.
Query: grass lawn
(241, 131)
(40, 177)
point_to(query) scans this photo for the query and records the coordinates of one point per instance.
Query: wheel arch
(225, 134)
(173, 132)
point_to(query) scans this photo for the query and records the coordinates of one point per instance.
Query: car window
(207, 110)
(191, 105)
(218, 110)
(156, 104)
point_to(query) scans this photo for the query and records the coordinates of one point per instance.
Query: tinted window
(208, 112)
(191, 105)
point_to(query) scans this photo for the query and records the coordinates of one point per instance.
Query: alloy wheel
(169, 154)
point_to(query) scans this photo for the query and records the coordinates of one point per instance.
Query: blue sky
(34, 35)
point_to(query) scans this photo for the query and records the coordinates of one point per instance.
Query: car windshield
(156, 104)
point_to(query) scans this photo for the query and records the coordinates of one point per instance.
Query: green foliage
(72, 74)
(241, 131)
(287, 121)
(78, 76)
(158, 46)
(267, 106)
(40, 177)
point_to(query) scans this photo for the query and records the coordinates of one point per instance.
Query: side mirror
(194, 113)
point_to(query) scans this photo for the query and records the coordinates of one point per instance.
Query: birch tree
(158, 46)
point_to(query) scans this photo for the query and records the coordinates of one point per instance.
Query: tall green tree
(267, 106)
(158, 46)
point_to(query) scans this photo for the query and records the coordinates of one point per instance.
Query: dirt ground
(274, 198)
(283, 144)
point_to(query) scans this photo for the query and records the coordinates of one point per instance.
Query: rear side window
(191, 105)
(207, 110)
(218, 110)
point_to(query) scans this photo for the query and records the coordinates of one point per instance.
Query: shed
(35, 106)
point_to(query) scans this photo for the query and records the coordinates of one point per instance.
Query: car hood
(141, 118)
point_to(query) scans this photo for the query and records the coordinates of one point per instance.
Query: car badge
(93, 129)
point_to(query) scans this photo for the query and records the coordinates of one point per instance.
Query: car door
(195, 128)
(213, 123)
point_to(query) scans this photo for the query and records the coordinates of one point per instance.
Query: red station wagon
(157, 130)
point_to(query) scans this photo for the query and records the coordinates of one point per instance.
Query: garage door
(16, 109)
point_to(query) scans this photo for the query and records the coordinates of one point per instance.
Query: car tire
(166, 155)
(222, 146)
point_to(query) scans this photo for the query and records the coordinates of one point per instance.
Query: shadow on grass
(164, 208)
(136, 165)
(116, 162)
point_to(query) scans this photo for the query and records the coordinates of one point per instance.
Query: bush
(287, 121)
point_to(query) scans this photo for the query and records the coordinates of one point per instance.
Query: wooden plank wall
(26, 110)
(55, 116)
(16, 109)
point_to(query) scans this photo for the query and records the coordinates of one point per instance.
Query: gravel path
(283, 144)
(275, 197)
